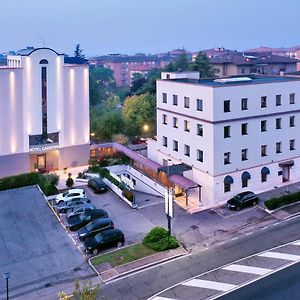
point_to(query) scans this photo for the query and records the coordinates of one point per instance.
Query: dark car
(95, 227)
(97, 185)
(79, 221)
(242, 200)
(79, 209)
(105, 239)
(63, 207)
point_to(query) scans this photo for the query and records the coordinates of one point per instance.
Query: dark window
(165, 141)
(263, 101)
(278, 123)
(164, 119)
(175, 122)
(292, 121)
(175, 145)
(165, 98)
(278, 100)
(227, 187)
(44, 62)
(292, 98)
(175, 100)
(200, 129)
(226, 158)
(199, 155)
(187, 126)
(263, 150)
(292, 145)
(226, 131)
(244, 129)
(227, 106)
(186, 102)
(44, 99)
(244, 104)
(264, 177)
(187, 150)
(263, 125)
(200, 104)
(244, 182)
(244, 154)
(278, 147)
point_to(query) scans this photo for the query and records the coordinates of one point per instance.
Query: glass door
(41, 161)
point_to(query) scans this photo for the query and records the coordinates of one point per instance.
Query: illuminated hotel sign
(42, 148)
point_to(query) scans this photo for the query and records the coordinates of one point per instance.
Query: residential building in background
(228, 134)
(44, 112)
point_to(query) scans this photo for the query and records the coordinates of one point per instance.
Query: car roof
(100, 221)
(84, 205)
(244, 193)
(110, 231)
(76, 190)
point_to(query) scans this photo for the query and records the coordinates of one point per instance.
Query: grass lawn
(125, 255)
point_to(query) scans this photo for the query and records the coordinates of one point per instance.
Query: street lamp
(146, 128)
(6, 276)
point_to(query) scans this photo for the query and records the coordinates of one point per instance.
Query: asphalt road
(281, 285)
(149, 282)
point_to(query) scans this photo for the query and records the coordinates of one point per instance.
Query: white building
(236, 134)
(44, 112)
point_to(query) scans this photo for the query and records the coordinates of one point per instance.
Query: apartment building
(233, 134)
(44, 112)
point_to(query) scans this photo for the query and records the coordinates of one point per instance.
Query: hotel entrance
(286, 169)
(41, 161)
(44, 162)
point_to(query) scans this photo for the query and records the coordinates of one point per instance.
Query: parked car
(104, 239)
(81, 220)
(63, 207)
(97, 185)
(242, 200)
(94, 227)
(70, 194)
(79, 209)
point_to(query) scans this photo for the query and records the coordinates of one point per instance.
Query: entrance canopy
(183, 182)
(175, 169)
(288, 163)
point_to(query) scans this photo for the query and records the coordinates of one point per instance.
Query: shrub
(128, 195)
(113, 180)
(103, 172)
(80, 175)
(281, 201)
(120, 138)
(158, 239)
(52, 178)
(69, 182)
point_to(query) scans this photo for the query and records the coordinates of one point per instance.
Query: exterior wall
(298, 57)
(74, 156)
(14, 164)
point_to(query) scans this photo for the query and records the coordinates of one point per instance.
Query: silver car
(79, 209)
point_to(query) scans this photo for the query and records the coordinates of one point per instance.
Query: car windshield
(82, 217)
(65, 194)
(98, 238)
(237, 197)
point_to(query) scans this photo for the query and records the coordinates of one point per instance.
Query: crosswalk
(213, 284)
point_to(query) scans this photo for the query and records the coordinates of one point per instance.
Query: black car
(242, 200)
(104, 239)
(97, 185)
(63, 207)
(79, 221)
(95, 227)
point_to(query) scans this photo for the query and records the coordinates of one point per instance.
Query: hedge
(281, 201)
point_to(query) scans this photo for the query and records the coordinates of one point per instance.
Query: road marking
(296, 243)
(208, 284)
(280, 256)
(163, 298)
(249, 233)
(247, 269)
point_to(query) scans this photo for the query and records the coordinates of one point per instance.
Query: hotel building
(232, 134)
(44, 112)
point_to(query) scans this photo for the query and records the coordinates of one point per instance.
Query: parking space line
(247, 269)
(208, 284)
(296, 243)
(278, 255)
(163, 298)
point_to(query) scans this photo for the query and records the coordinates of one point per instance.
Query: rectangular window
(264, 177)
(244, 128)
(200, 129)
(292, 145)
(200, 104)
(278, 147)
(227, 187)
(278, 100)
(175, 145)
(292, 121)
(226, 158)
(263, 150)
(292, 98)
(44, 100)
(187, 102)
(175, 100)
(244, 154)
(278, 123)
(199, 155)
(187, 150)
(263, 125)
(165, 119)
(165, 141)
(165, 97)
(175, 122)
(244, 182)
(227, 106)
(187, 126)
(226, 132)
(244, 104)
(263, 101)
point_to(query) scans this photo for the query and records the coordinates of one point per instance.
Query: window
(199, 155)
(44, 100)
(187, 150)
(263, 125)
(264, 177)
(200, 104)
(278, 100)
(244, 154)
(165, 141)
(187, 126)
(187, 102)
(278, 147)
(175, 145)
(263, 150)
(226, 158)
(227, 187)
(165, 119)
(278, 123)
(200, 129)
(165, 98)
(244, 104)
(292, 121)
(175, 122)
(244, 182)
(226, 132)
(227, 106)
(292, 145)
(175, 100)
(244, 129)
(263, 101)
(292, 98)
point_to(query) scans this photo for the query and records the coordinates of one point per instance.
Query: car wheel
(95, 251)
(254, 203)
(120, 244)
(238, 208)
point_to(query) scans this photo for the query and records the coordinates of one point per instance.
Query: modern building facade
(234, 134)
(44, 112)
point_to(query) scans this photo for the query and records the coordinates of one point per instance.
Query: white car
(70, 194)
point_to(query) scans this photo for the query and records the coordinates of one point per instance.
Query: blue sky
(148, 26)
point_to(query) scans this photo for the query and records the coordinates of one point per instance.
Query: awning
(175, 169)
(265, 171)
(288, 163)
(228, 179)
(246, 175)
(183, 182)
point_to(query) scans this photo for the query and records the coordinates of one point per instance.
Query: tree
(180, 64)
(150, 84)
(203, 65)
(78, 52)
(137, 82)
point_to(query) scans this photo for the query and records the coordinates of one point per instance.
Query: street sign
(169, 204)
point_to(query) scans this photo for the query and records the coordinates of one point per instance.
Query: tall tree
(203, 65)
(78, 52)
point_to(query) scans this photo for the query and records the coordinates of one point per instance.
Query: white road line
(296, 243)
(208, 284)
(247, 269)
(163, 298)
(280, 256)
(249, 233)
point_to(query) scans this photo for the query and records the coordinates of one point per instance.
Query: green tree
(180, 64)
(78, 52)
(203, 65)
(137, 82)
(150, 84)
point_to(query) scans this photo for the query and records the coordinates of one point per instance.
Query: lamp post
(6, 276)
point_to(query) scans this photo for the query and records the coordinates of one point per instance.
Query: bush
(103, 172)
(52, 178)
(281, 201)
(69, 182)
(128, 195)
(113, 180)
(158, 239)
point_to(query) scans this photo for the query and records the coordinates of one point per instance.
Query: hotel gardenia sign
(43, 148)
